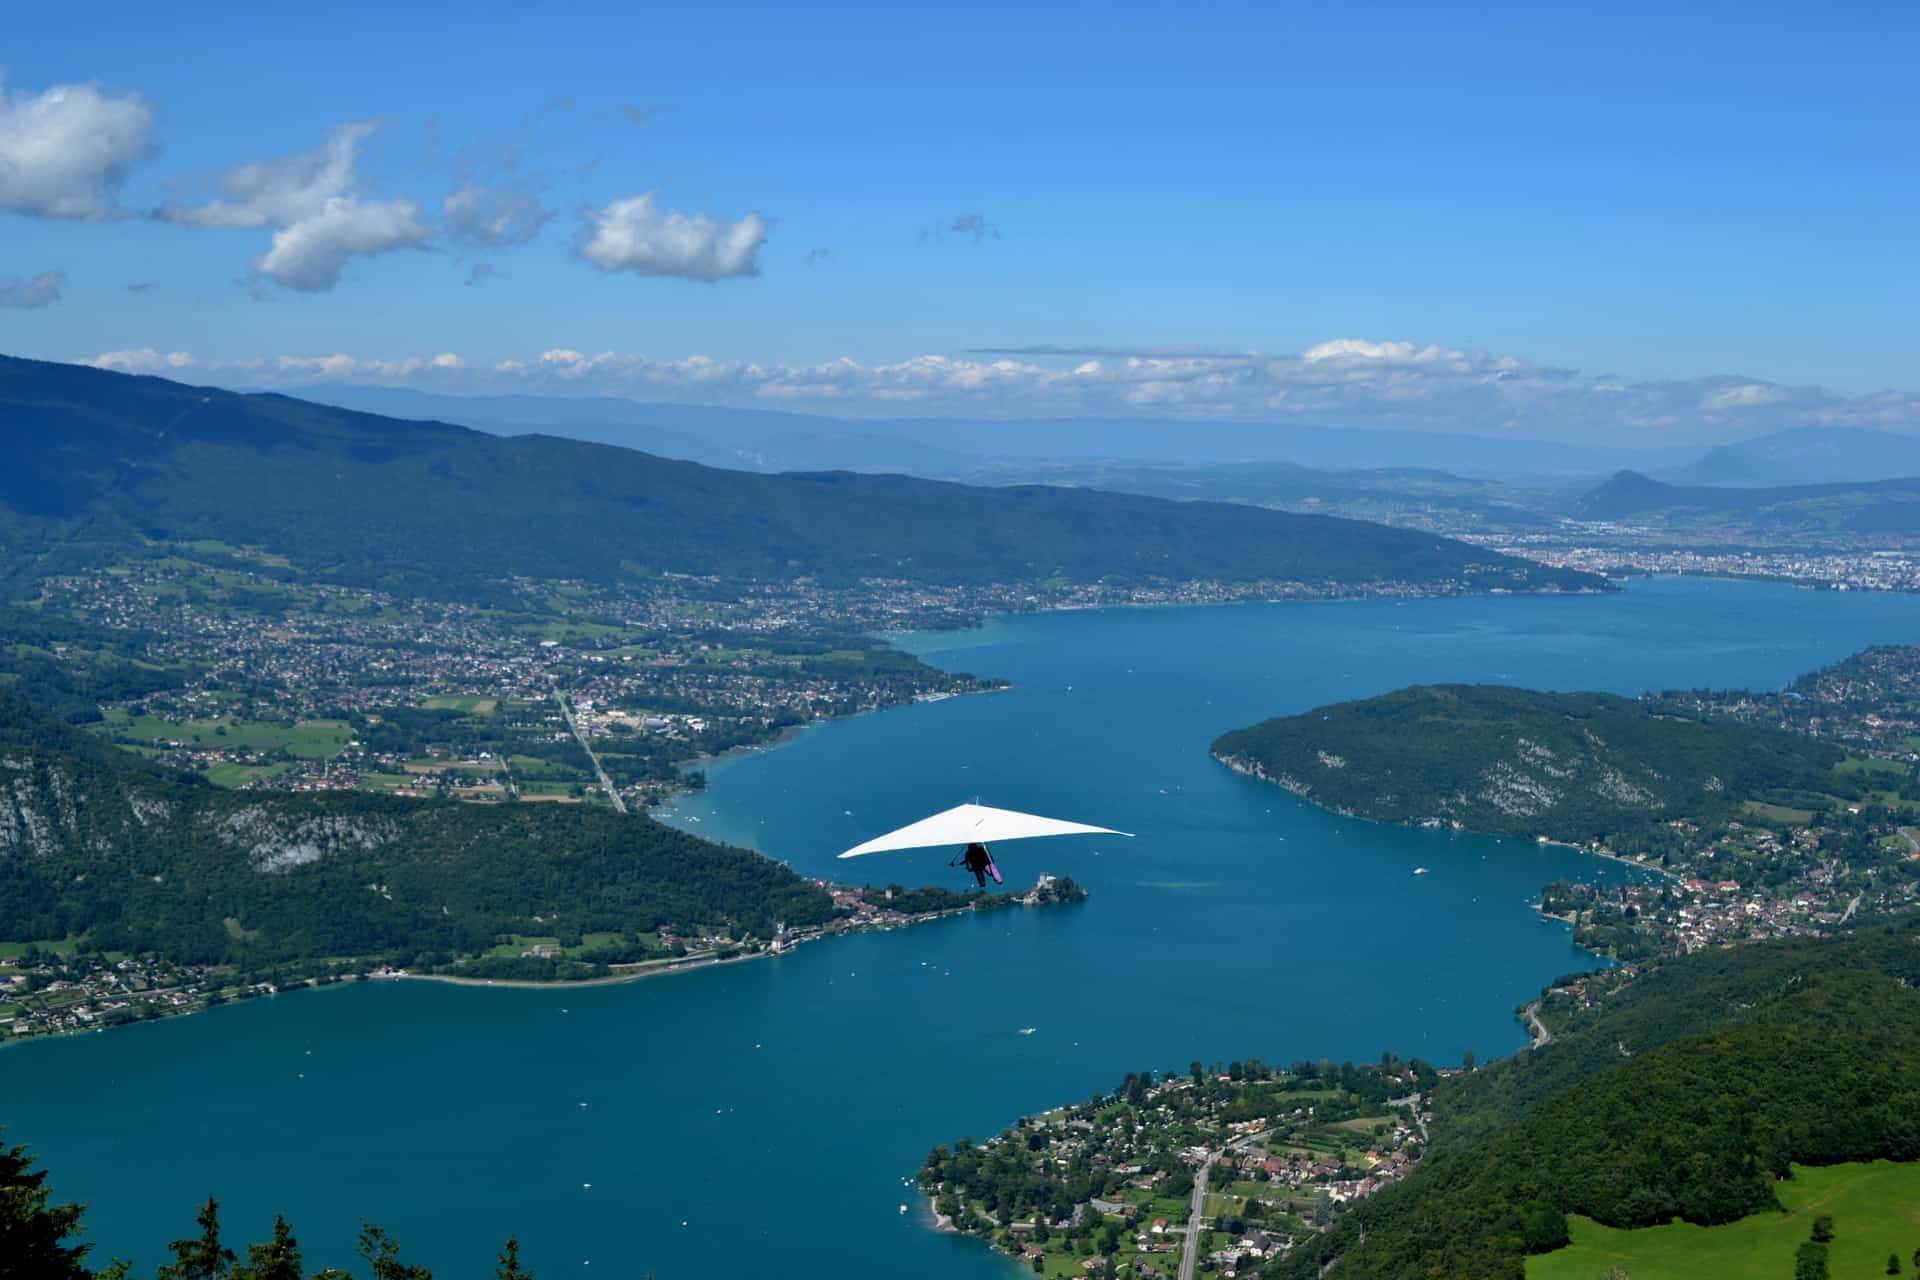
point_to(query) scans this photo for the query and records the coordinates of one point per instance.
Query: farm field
(309, 739)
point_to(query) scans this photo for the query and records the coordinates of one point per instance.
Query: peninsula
(131, 891)
(1766, 813)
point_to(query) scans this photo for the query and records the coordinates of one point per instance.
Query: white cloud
(1748, 395)
(637, 235)
(313, 200)
(65, 152)
(142, 360)
(310, 255)
(30, 293)
(1348, 382)
(491, 217)
(281, 192)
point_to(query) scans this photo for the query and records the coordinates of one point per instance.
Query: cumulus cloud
(30, 293)
(313, 200)
(637, 235)
(1346, 382)
(493, 217)
(281, 192)
(65, 152)
(481, 272)
(310, 254)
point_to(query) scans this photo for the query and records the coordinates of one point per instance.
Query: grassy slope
(1875, 1209)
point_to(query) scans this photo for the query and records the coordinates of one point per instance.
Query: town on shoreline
(64, 989)
(1219, 1168)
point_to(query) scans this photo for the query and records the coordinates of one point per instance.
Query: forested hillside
(1670, 999)
(1570, 766)
(96, 845)
(99, 461)
(1685, 1100)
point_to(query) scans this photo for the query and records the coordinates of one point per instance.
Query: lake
(760, 1119)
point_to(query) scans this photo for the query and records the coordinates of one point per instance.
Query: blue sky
(1683, 201)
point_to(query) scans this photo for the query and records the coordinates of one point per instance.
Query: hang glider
(975, 824)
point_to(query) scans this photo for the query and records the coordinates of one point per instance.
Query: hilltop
(1761, 513)
(1569, 766)
(104, 461)
(99, 846)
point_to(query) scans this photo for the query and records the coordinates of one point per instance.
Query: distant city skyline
(1676, 224)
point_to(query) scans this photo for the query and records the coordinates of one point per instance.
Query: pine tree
(382, 1253)
(32, 1232)
(278, 1259)
(510, 1262)
(200, 1257)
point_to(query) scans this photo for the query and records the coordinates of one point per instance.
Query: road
(1541, 1036)
(1852, 907)
(606, 783)
(1190, 1251)
(1412, 1103)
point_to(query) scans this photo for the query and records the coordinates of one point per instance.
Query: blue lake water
(760, 1119)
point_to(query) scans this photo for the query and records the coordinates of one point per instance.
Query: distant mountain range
(1385, 475)
(102, 460)
(948, 448)
(1875, 507)
(1806, 455)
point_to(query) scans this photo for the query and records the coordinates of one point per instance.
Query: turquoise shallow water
(760, 1119)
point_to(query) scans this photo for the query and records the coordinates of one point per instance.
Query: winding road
(1541, 1036)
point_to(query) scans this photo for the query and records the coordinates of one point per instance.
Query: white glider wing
(967, 823)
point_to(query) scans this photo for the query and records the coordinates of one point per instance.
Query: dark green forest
(1741, 1063)
(1570, 766)
(134, 858)
(100, 462)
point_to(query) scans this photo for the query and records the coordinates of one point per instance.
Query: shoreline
(679, 965)
(571, 984)
(1252, 769)
(665, 808)
(641, 971)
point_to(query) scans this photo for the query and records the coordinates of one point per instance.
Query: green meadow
(1875, 1209)
(310, 739)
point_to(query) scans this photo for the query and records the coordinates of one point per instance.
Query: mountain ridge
(361, 498)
